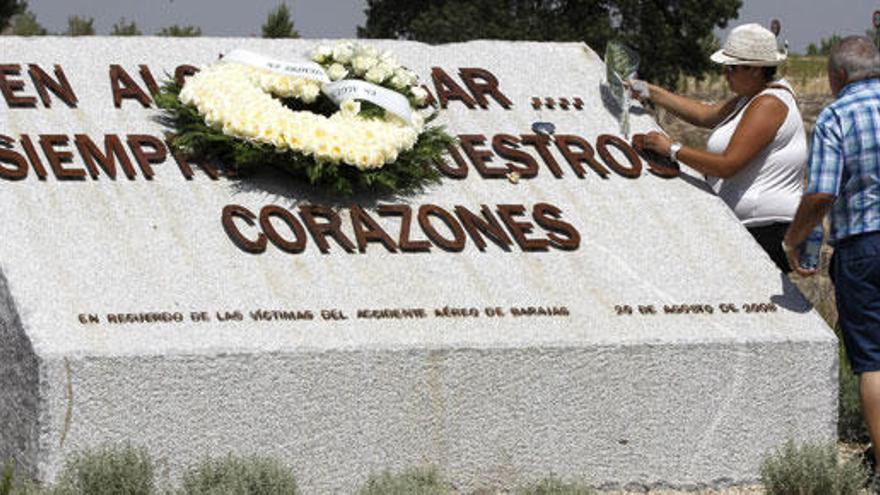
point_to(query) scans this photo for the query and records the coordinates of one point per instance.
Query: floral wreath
(349, 119)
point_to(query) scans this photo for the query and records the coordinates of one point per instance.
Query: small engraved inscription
(329, 315)
(694, 309)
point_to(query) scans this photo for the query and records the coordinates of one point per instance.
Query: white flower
(418, 120)
(322, 53)
(238, 100)
(375, 159)
(368, 50)
(186, 94)
(342, 53)
(398, 82)
(362, 63)
(362, 159)
(296, 87)
(310, 93)
(350, 108)
(376, 75)
(337, 72)
(387, 68)
(349, 154)
(390, 155)
(248, 129)
(420, 96)
(335, 151)
(413, 78)
(213, 118)
(402, 75)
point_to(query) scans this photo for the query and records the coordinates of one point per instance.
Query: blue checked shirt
(845, 159)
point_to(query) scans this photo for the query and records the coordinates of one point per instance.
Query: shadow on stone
(281, 187)
(697, 182)
(791, 297)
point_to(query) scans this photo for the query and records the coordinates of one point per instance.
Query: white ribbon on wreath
(339, 91)
(303, 68)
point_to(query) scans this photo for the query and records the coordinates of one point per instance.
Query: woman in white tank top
(756, 156)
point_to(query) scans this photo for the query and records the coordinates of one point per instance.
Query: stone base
(672, 415)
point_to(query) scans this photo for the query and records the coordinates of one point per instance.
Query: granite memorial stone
(558, 304)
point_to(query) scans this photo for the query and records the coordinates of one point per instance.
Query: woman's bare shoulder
(768, 102)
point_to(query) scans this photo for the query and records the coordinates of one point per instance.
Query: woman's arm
(755, 131)
(691, 111)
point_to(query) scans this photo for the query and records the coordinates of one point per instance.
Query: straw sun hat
(749, 44)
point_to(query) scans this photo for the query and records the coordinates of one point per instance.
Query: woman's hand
(658, 143)
(640, 90)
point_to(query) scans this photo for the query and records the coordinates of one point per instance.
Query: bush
(239, 476)
(415, 481)
(811, 469)
(7, 478)
(554, 486)
(108, 470)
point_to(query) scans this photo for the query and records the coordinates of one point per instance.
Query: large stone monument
(603, 319)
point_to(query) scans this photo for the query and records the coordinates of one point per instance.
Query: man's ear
(840, 77)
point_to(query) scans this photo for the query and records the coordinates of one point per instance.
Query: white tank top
(768, 189)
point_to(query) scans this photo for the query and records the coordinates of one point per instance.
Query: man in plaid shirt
(845, 179)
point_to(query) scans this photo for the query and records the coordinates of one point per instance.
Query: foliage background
(673, 37)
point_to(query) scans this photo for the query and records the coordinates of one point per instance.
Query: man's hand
(793, 254)
(810, 212)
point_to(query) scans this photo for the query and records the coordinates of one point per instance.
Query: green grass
(800, 67)
(811, 469)
(425, 481)
(554, 486)
(7, 478)
(239, 476)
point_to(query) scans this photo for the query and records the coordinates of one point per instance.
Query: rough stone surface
(680, 400)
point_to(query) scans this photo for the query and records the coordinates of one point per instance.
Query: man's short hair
(858, 56)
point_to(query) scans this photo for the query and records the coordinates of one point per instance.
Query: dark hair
(769, 73)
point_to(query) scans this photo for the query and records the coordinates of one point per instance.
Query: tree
(180, 31)
(80, 26)
(26, 24)
(279, 25)
(9, 9)
(670, 35)
(825, 45)
(123, 28)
